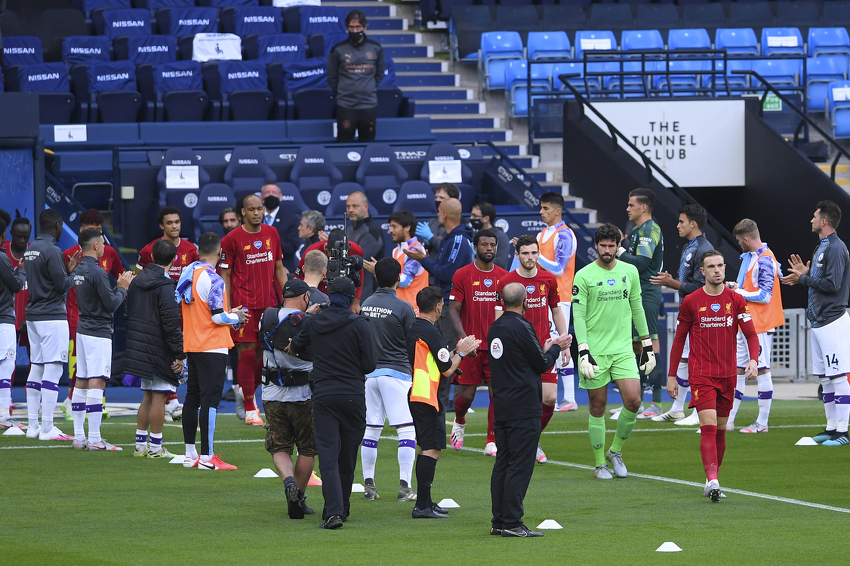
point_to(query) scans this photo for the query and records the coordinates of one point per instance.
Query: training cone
(668, 547)
(14, 431)
(314, 480)
(266, 473)
(550, 524)
(448, 504)
(805, 441)
(357, 488)
(177, 460)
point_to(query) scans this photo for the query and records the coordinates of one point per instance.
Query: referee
(516, 363)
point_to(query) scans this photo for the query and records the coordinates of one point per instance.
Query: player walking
(12, 281)
(828, 281)
(251, 264)
(758, 283)
(541, 307)
(414, 278)
(605, 296)
(711, 317)
(692, 219)
(472, 302)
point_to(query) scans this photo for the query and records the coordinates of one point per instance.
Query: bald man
(366, 232)
(285, 220)
(455, 252)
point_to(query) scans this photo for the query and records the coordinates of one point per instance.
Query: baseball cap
(342, 285)
(295, 288)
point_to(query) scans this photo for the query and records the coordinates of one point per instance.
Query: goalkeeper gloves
(647, 357)
(586, 365)
(424, 233)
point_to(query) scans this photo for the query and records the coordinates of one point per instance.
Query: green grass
(62, 506)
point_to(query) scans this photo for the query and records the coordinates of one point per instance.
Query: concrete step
(426, 107)
(386, 24)
(438, 93)
(408, 79)
(842, 174)
(369, 9)
(474, 134)
(444, 121)
(396, 37)
(397, 51)
(420, 65)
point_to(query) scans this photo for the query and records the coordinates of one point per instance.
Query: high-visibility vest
(766, 316)
(419, 282)
(200, 333)
(426, 376)
(565, 281)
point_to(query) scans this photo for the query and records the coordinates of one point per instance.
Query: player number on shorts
(832, 361)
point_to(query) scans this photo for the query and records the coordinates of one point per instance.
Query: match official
(516, 364)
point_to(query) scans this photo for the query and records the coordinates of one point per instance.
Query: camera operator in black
(287, 398)
(339, 393)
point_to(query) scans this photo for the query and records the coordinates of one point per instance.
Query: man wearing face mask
(482, 217)
(355, 69)
(284, 221)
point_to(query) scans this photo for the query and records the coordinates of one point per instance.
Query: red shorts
(249, 331)
(715, 393)
(475, 370)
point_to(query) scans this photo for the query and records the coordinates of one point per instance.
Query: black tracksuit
(516, 363)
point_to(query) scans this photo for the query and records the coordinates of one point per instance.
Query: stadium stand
(212, 199)
(247, 171)
(315, 175)
(336, 204)
(180, 179)
(381, 176)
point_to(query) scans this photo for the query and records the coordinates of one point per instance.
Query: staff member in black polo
(339, 393)
(432, 364)
(516, 362)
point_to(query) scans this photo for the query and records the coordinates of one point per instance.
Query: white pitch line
(678, 428)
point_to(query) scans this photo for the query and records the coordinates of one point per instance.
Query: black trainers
(332, 522)
(496, 531)
(520, 531)
(371, 492)
(837, 439)
(429, 513)
(293, 501)
(439, 509)
(822, 437)
(303, 503)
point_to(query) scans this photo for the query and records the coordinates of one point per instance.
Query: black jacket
(342, 341)
(48, 280)
(96, 299)
(286, 223)
(516, 363)
(11, 282)
(154, 330)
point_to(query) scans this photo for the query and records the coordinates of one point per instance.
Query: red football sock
(721, 446)
(548, 411)
(72, 383)
(461, 408)
(171, 397)
(708, 451)
(245, 377)
(491, 428)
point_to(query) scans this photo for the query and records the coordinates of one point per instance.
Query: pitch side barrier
(639, 73)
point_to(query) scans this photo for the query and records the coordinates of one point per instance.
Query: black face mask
(476, 223)
(356, 36)
(271, 202)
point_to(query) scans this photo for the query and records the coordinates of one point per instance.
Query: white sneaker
(616, 459)
(541, 456)
(652, 411)
(754, 428)
(7, 423)
(705, 491)
(54, 434)
(240, 403)
(103, 446)
(566, 406)
(690, 420)
(174, 411)
(457, 435)
(490, 449)
(33, 431)
(616, 414)
(730, 426)
(253, 418)
(712, 491)
(670, 415)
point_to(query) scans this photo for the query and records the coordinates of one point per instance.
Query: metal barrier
(790, 355)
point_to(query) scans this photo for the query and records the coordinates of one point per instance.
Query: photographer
(336, 241)
(287, 398)
(339, 394)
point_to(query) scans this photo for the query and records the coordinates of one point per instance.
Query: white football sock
(49, 394)
(406, 452)
(369, 451)
(7, 374)
(765, 387)
(739, 396)
(842, 402)
(829, 403)
(34, 393)
(156, 442)
(141, 439)
(191, 452)
(94, 409)
(78, 411)
(684, 387)
(567, 376)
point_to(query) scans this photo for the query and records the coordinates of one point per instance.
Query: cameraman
(286, 395)
(336, 240)
(339, 394)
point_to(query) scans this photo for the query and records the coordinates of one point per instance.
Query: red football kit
(187, 252)
(323, 286)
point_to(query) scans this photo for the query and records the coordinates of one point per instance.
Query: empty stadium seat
(211, 47)
(440, 152)
(779, 72)
(336, 206)
(316, 19)
(828, 41)
(244, 91)
(315, 175)
(603, 40)
(250, 20)
(564, 17)
(113, 96)
(684, 82)
(466, 26)
(146, 49)
(381, 176)
(754, 15)
(820, 71)
(290, 198)
(313, 104)
(801, 14)
(838, 108)
(120, 22)
(709, 16)
(84, 49)
(248, 171)
(521, 19)
(641, 40)
(737, 41)
(56, 25)
(657, 16)
(688, 39)
(516, 85)
(320, 45)
(177, 91)
(836, 13)
(416, 197)
(611, 16)
(180, 179)
(275, 47)
(51, 81)
(574, 68)
(21, 50)
(497, 48)
(781, 41)
(181, 22)
(212, 199)
(549, 44)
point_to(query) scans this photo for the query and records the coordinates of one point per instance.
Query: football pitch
(785, 504)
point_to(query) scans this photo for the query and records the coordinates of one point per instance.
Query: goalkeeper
(606, 294)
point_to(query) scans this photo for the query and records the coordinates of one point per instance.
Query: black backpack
(275, 335)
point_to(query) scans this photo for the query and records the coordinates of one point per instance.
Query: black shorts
(288, 425)
(427, 421)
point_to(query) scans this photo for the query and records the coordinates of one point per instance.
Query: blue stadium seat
(248, 171)
(516, 85)
(756, 15)
(313, 104)
(820, 71)
(247, 21)
(781, 41)
(641, 40)
(320, 45)
(838, 108)
(177, 91)
(573, 68)
(393, 104)
(779, 72)
(594, 40)
(737, 41)
(836, 13)
(416, 197)
(688, 39)
(497, 48)
(611, 16)
(737, 83)
(21, 50)
(336, 206)
(84, 49)
(709, 16)
(145, 49)
(466, 25)
(113, 96)
(549, 44)
(828, 41)
(290, 197)
(315, 175)
(244, 90)
(315, 19)
(275, 47)
(154, 5)
(181, 22)
(381, 175)
(564, 17)
(120, 22)
(680, 83)
(228, 3)
(801, 14)
(658, 16)
(51, 81)
(448, 152)
(213, 198)
(519, 18)
(180, 179)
